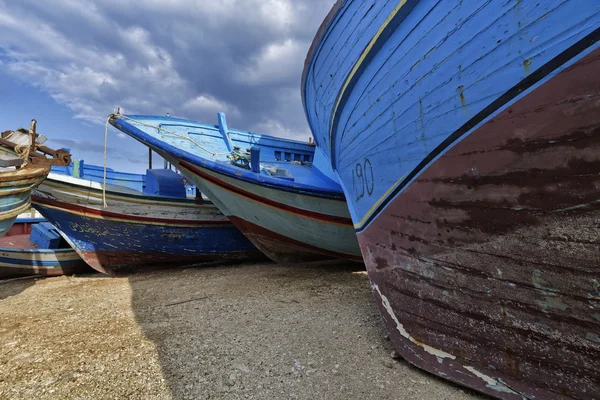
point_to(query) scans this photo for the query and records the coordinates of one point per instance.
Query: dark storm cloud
(189, 58)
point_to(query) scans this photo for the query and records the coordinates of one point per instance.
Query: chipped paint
(592, 336)
(135, 230)
(552, 302)
(431, 350)
(596, 293)
(540, 283)
(492, 383)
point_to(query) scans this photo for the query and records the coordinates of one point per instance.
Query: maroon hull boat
(466, 136)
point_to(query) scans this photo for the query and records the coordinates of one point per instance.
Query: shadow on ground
(274, 331)
(13, 287)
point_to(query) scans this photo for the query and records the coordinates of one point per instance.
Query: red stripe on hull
(280, 248)
(272, 203)
(492, 254)
(110, 262)
(130, 218)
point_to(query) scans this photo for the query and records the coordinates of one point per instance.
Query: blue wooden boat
(466, 135)
(32, 247)
(147, 221)
(271, 189)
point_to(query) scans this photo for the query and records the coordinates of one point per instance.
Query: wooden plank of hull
(139, 231)
(286, 227)
(492, 254)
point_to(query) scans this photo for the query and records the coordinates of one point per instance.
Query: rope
(105, 142)
(22, 151)
(169, 132)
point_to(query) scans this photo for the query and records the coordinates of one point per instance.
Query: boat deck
(17, 242)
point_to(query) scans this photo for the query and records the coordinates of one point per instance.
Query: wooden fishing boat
(290, 211)
(32, 247)
(467, 138)
(155, 224)
(22, 168)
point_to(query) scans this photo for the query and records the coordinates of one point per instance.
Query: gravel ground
(249, 331)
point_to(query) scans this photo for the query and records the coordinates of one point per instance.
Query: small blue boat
(466, 136)
(270, 188)
(148, 220)
(32, 247)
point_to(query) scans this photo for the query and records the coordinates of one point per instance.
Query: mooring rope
(22, 151)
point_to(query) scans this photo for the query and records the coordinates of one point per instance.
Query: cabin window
(306, 158)
(278, 155)
(297, 157)
(288, 156)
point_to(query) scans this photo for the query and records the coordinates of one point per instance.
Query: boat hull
(16, 263)
(508, 251)
(285, 226)
(136, 232)
(467, 138)
(290, 219)
(15, 192)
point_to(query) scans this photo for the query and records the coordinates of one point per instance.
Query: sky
(70, 63)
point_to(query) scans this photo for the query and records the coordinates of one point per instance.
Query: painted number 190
(363, 179)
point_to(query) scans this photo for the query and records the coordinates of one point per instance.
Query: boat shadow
(12, 287)
(266, 330)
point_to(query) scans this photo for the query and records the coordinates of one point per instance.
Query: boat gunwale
(114, 191)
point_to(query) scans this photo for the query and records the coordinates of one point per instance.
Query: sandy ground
(249, 331)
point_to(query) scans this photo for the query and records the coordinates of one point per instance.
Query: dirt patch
(247, 331)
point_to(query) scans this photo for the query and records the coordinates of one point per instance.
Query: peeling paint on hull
(137, 231)
(467, 139)
(511, 255)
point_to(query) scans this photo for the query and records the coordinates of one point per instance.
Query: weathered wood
(135, 230)
(10, 160)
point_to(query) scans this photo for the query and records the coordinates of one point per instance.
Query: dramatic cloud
(187, 57)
